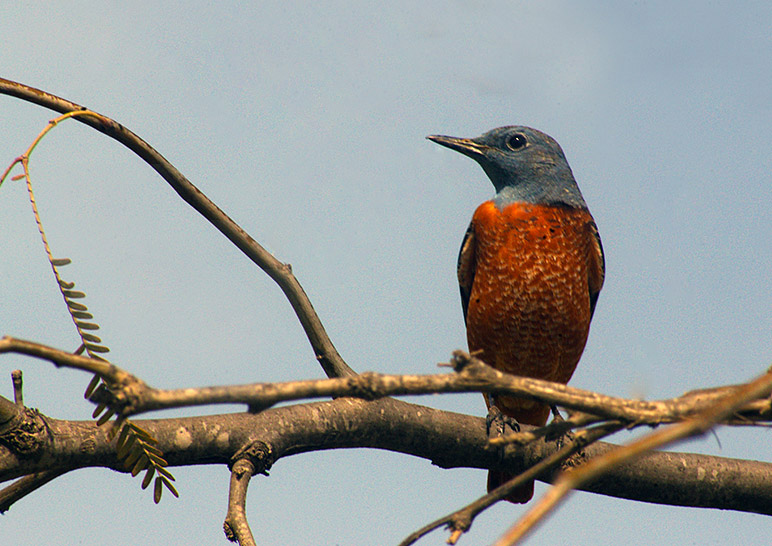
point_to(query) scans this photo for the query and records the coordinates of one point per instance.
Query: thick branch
(599, 466)
(447, 439)
(281, 273)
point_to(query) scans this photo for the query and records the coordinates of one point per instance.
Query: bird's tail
(525, 412)
(521, 495)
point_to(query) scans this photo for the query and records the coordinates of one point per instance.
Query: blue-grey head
(525, 165)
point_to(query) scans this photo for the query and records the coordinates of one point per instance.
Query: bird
(530, 269)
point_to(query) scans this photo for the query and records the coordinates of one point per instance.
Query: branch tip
(18, 393)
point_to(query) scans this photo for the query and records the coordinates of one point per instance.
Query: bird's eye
(516, 141)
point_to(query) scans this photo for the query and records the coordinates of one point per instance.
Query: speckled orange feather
(533, 268)
(529, 271)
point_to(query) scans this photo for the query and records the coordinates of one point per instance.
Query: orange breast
(529, 307)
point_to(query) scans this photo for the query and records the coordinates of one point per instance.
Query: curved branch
(236, 527)
(461, 520)
(281, 273)
(24, 486)
(472, 375)
(449, 440)
(701, 423)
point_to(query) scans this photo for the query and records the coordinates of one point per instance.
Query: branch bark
(132, 396)
(449, 440)
(50, 447)
(281, 273)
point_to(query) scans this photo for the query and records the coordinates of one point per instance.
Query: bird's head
(524, 165)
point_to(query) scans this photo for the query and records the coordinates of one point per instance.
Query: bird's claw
(496, 423)
(557, 418)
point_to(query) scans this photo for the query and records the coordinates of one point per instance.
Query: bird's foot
(496, 423)
(566, 436)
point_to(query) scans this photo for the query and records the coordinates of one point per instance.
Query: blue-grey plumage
(524, 165)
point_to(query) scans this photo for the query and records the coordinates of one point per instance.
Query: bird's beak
(466, 146)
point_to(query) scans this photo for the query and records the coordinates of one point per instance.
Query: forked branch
(281, 273)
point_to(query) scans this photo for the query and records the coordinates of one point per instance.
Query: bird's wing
(465, 269)
(597, 266)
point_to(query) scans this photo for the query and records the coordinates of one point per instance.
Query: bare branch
(461, 520)
(236, 527)
(448, 439)
(253, 459)
(109, 372)
(281, 273)
(133, 396)
(761, 387)
(17, 379)
(24, 486)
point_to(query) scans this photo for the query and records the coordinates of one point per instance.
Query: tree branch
(449, 440)
(701, 423)
(472, 375)
(281, 273)
(24, 486)
(236, 527)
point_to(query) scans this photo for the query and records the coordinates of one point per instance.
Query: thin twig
(24, 486)
(18, 387)
(461, 520)
(701, 423)
(110, 372)
(236, 526)
(281, 273)
(137, 397)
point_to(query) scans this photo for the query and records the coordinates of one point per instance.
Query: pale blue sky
(306, 123)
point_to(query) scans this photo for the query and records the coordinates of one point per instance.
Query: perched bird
(530, 268)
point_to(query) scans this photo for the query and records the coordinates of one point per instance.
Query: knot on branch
(460, 361)
(254, 458)
(123, 398)
(26, 433)
(472, 367)
(366, 386)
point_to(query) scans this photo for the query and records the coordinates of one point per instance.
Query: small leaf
(162, 471)
(117, 425)
(106, 417)
(140, 465)
(154, 450)
(157, 490)
(157, 460)
(91, 348)
(59, 262)
(87, 325)
(92, 386)
(99, 409)
(142, 433)
(82, 315)
(76, 306)
(91, 337)
(148, 477)
(170, 487)
(122, 436)
(136, 453)
(73, 294)
(126, 446)
(67, 285)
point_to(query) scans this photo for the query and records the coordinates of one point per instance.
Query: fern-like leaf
(135, 447)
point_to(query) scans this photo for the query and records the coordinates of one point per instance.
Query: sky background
(305, 122)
